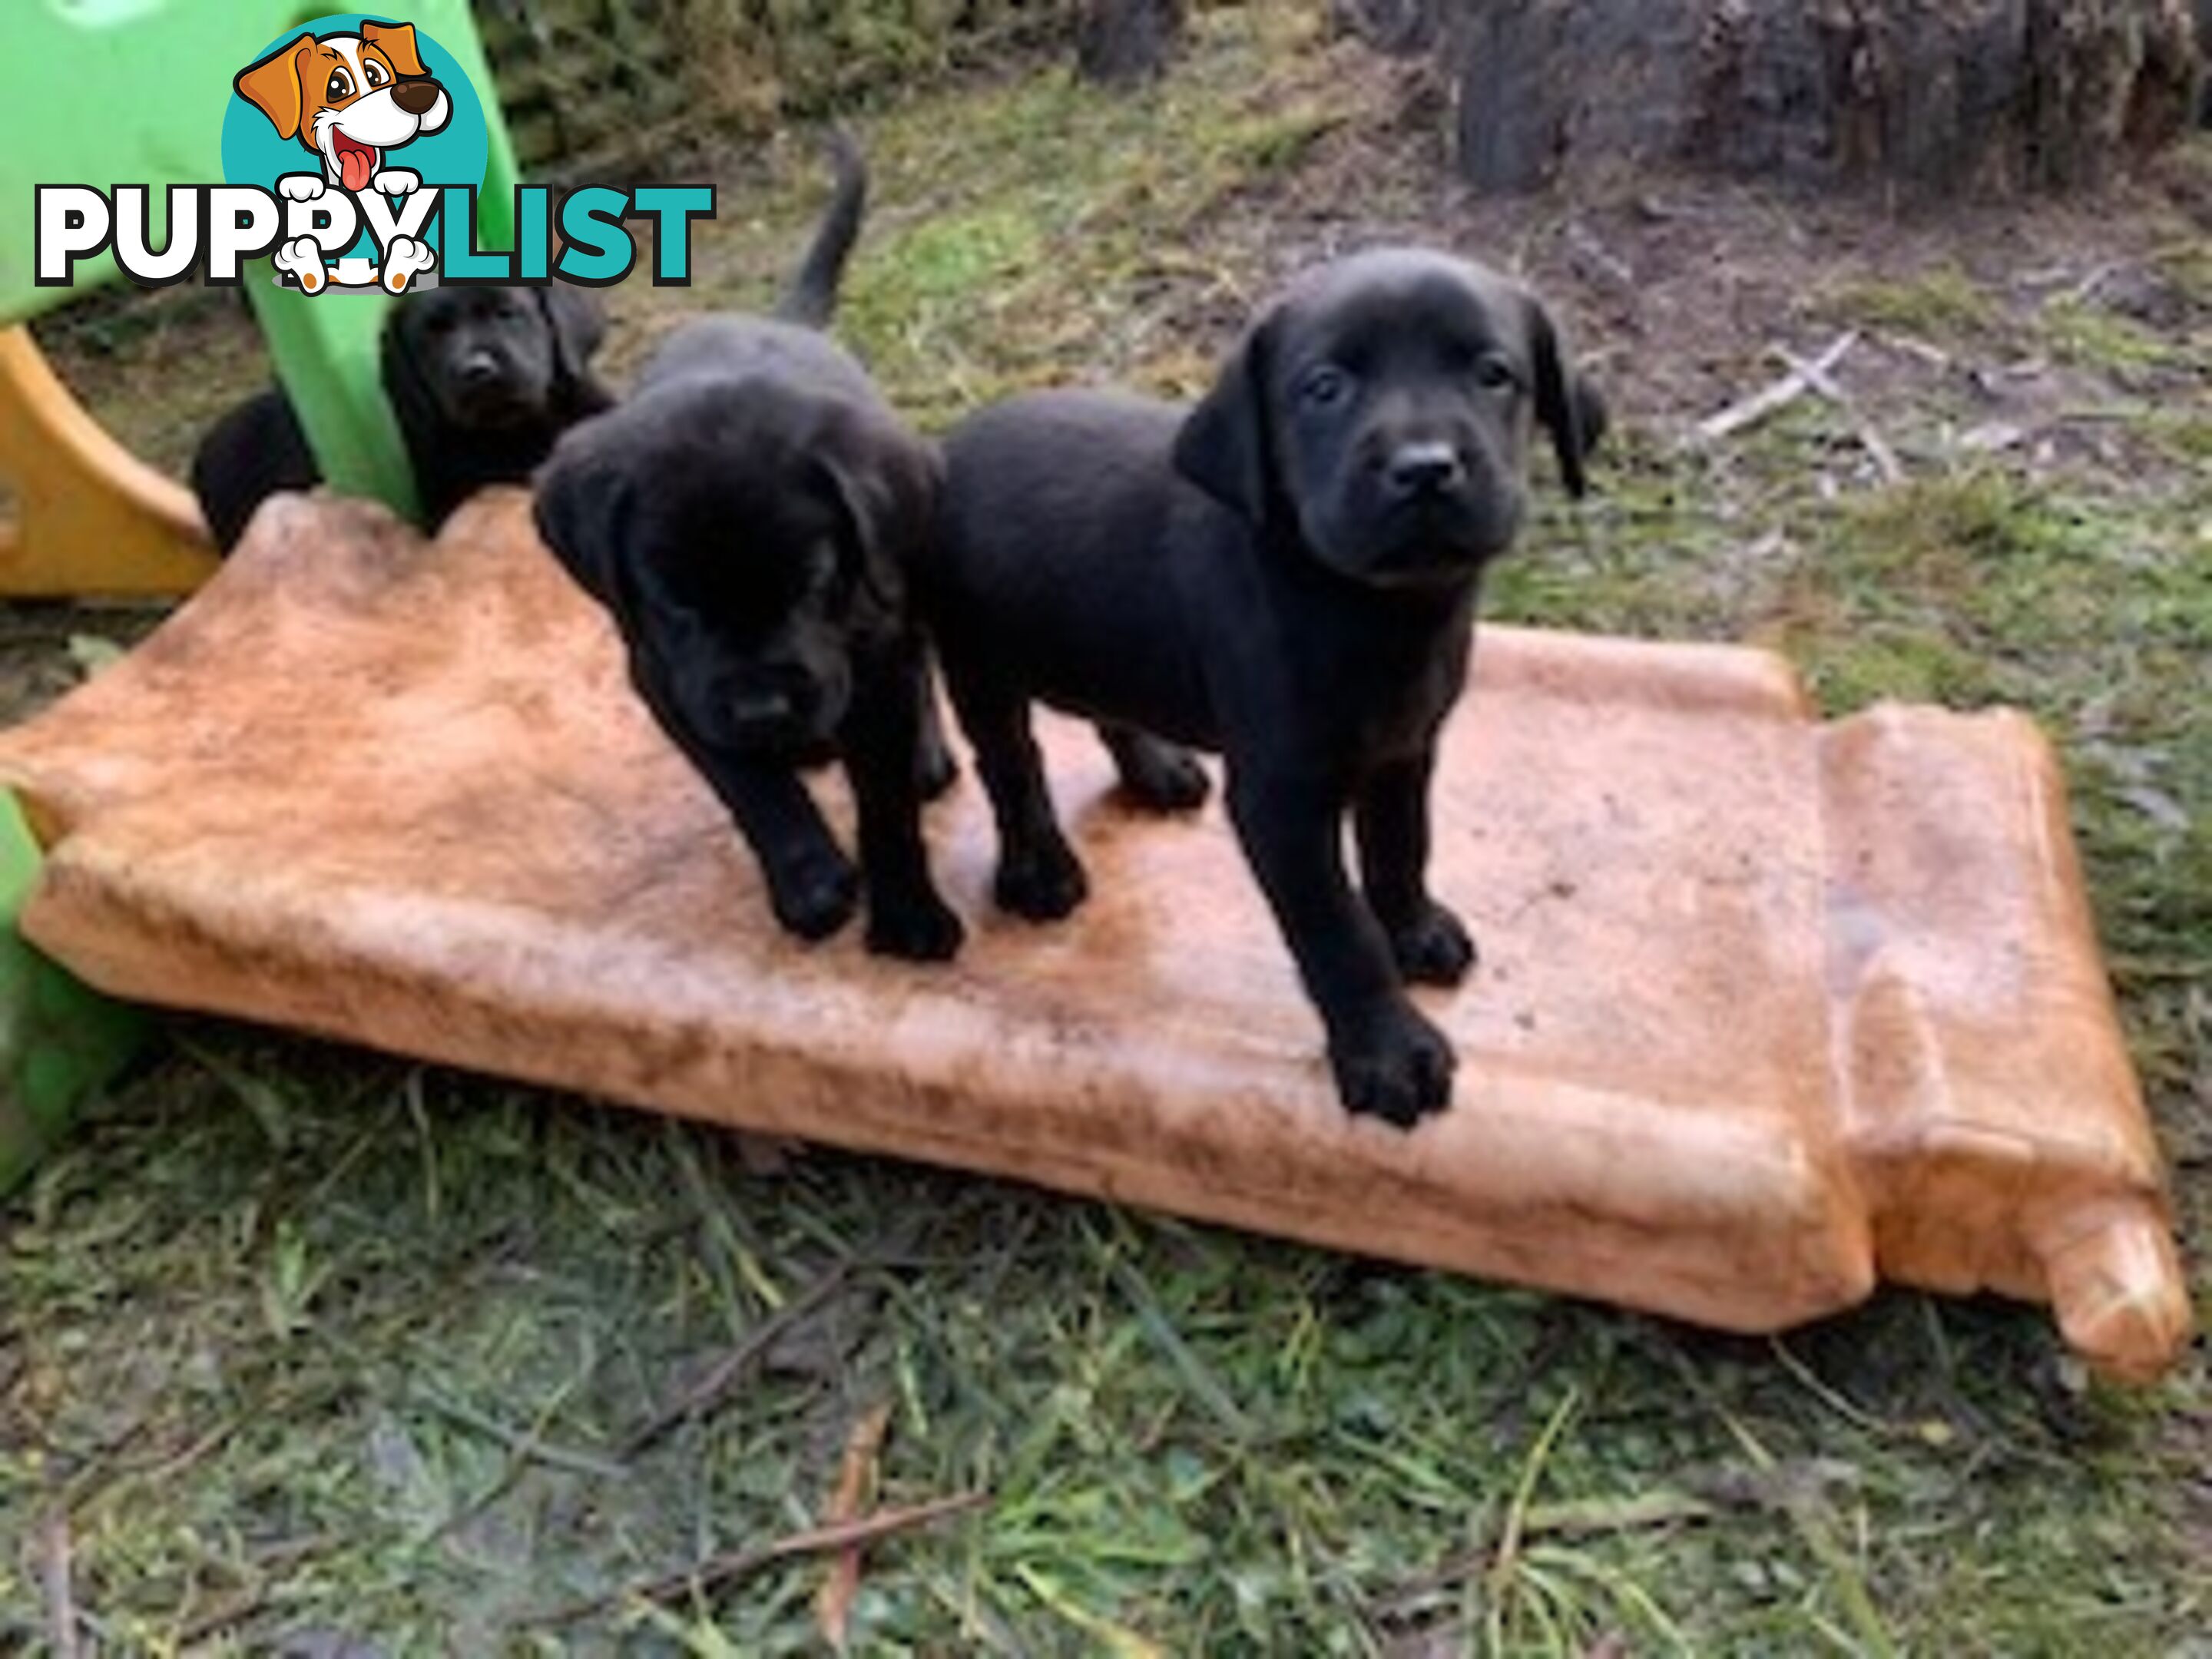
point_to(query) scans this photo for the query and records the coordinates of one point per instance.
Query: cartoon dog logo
(350, 99)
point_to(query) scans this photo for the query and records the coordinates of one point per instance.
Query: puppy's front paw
(1399, 1069)
(1164, 777)
(1041, 882)
(1434, 949)
(397, 181)
(919, 929)
(816, 896)
(301, 186)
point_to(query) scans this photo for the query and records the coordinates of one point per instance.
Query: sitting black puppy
(482, 381)
(747, 517)
(1288, 575)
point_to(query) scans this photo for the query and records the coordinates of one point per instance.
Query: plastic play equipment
(1768, 1009)
(112, 92)
(158, 73)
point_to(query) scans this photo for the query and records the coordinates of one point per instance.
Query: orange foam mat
(1767, 1010)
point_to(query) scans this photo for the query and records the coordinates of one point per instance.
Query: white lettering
(134, 229)
(74, 221)
(242, 224)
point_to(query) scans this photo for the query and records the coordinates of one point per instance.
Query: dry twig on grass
(1822, 381)
(734, 1564)
(728, 1370)
(856, 1485)
(1776, 396)
(56, 1553)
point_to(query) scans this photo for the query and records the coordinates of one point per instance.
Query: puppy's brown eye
(341, 85)
(1324, 386)
(373, 72)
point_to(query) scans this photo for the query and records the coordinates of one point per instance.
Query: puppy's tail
(811, 299)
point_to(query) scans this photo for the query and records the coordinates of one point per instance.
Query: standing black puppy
(482, 381)
(748, 517)
(1289, 575)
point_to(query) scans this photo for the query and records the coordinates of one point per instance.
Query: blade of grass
(1504, 1569)
(1872, 1636)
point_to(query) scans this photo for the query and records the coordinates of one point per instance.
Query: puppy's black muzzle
(1422, 471)
(1426, 509)
(484, 389)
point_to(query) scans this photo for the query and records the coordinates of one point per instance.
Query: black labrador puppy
(748, 517)
(481, 380)
(1287, 574)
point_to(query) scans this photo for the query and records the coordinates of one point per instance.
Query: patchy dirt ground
(311, 1346)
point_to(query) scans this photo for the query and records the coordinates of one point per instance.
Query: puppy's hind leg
(1157, 775)
(1039, 876)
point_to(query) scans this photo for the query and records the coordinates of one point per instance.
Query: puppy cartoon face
(748, 537)
(1382, 408)
(349, 98)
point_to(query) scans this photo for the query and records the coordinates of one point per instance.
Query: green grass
(1943, 301)
(1014, 232)
(306, 1342)
(270, 1336)
(2083, 334)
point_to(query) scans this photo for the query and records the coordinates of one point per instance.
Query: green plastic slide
(133, 92)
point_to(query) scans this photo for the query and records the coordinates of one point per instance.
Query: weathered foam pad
(1767, 1008)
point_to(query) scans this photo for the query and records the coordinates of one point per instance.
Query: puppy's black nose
(1423, 469)
(415, 97)
(478, 369)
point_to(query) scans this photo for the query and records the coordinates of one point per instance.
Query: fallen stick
(2086, 290)
(56, 1551)
(1575, 1518)
(734, 1564)
(1778, 396)
(856, 1485)
(1777, 1489)
(726, 1373)
(1817, 377)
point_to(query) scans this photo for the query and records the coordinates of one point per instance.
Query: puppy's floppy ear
(1559, 400)
(576, 326)
(1223, 447)
(397, 42)
(580, 500)
(886, 483)
(1596, 415)
(272, 86)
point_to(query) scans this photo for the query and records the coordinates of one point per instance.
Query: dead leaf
(856, 1490)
